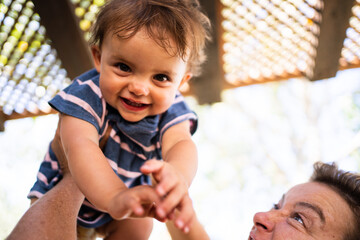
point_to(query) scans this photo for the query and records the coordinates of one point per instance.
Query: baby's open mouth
(134, 104)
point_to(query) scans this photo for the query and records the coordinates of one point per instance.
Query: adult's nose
(265, 221)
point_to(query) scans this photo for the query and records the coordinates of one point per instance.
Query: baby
(119, 120)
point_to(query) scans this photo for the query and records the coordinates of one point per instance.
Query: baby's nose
(138, 88)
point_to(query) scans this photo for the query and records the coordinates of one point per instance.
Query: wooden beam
(27, 114)
(2, 122)
(62, 27)
(335, 21)
(207, 87)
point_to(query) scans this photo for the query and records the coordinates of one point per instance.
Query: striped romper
(126, 149)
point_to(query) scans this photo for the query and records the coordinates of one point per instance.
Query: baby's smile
(130, 104)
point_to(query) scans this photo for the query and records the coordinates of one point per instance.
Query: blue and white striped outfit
(129, 145)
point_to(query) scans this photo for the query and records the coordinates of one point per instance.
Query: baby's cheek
(164, 103)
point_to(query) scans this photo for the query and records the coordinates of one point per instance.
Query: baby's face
(137, 76)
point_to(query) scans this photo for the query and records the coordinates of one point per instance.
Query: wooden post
(207, 87)
(2, 122)
(62, 27)
(335, 21)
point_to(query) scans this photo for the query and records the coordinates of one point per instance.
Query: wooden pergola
(67, 38)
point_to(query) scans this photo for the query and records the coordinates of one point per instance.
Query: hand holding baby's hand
(171, 186)
(134, 202)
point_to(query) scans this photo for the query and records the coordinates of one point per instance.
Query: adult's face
(307, 211)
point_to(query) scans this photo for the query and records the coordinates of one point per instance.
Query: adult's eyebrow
(315, 208)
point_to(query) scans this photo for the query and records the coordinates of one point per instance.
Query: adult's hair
(347, 185)
(180, 21)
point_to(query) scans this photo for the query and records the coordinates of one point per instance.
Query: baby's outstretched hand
(138, 201)
(171, 186)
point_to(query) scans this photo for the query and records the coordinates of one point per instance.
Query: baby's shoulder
(92, 74)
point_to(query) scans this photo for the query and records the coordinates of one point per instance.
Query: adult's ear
(96, 55)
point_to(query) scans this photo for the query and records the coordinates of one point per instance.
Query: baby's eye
(123, 67)
(161, 78)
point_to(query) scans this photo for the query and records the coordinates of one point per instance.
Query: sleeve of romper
(82, 99)
(177, 113)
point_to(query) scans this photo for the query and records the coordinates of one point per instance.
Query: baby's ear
(96, 55)
(185, 79)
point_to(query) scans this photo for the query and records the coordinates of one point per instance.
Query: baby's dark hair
(181, 21)
(347, 185)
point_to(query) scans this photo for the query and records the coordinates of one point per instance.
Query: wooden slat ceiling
(255, 41)
(32, 67)
(270, 40)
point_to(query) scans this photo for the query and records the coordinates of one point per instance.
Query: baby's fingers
(127, 208)
(185, 216)
(167, 184)
(151, 166)
(145, 195)
(171, 200)
(130, 202)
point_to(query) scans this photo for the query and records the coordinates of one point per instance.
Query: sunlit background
(260, 140)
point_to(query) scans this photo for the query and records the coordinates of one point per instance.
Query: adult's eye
(276, 206)
(161, 77)
(123, 67)
(298, 218)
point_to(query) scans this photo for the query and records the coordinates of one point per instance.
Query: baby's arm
(87, 164)
(197, 231)
(180, 151)
(175, 174)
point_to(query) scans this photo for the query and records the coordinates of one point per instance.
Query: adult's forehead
(310, 189)
(325, 197)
